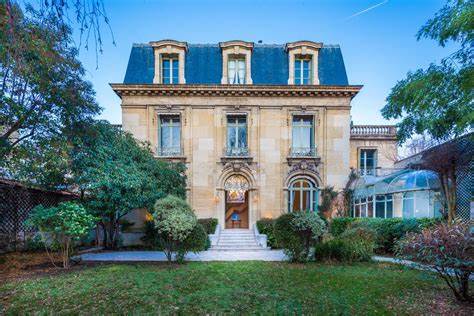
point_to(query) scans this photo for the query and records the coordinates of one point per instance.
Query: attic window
(303, 62)
(236, 62)
(169, 61)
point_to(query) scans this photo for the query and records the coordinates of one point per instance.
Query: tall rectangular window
(368, 161)
(170, 69)
(303, 73)
(302, 136)
(170, 135)
(236, 135)
(236, 70)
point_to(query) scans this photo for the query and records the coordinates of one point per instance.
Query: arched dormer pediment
(169, 61)
(169, 43)
(236, 43)
(303, 52)
(236, 62)
(302, 45)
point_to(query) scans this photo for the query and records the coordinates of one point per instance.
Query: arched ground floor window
(303, 195)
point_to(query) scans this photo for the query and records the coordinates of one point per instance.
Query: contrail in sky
(368, 9)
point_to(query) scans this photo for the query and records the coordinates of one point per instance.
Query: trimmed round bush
(297, 233)
(175, 222)
(195, 242)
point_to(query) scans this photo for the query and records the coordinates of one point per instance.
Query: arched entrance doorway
(236, 202)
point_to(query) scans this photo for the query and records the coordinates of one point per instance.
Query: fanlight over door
(236, 186)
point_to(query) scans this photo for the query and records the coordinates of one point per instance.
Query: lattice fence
(16, 201)
(465, 192)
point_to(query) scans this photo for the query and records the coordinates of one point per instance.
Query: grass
(226, 287)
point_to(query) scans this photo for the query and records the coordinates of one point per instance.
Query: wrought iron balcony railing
(236, 151)
(368, 172)
(302, 152)
(169, 151)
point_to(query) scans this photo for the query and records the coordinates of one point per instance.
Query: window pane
(370, 208)
(389, 208)
(306, 137)
(306, 201)
(296, 201)
(297, 64)
(242, 133)
(231, 141)
(165, 137)
(176, 139)
(408, 205)
(296, 138)
(422, 204)
(380, 208)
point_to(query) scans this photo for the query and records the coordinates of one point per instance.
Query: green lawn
(227, 287)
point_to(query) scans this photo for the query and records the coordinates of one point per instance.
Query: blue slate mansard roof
(204, 65)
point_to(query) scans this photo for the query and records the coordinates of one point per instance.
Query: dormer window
(170, 70)
(236, 70)
(169, 61)
(303, 62)
(236, 62)
(303, 71)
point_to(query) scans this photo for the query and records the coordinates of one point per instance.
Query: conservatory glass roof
(404, 180)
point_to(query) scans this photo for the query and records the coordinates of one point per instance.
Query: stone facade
(268, 164)
(381, 138)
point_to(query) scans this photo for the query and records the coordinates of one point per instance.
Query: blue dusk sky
(377, 38)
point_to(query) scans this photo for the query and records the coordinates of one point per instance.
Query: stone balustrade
(374, 131)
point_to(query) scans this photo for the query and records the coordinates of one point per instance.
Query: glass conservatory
(406, 194)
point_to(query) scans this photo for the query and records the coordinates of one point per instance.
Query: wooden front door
(236, 212)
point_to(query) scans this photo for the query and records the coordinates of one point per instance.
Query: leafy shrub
(265, 226)
(446, 249)
(150, 235)
(64, 225)
(344, 250)
(296, 233)
(175, 222)
(195, 242)
(340, 224)
(34, 243)
(359, 234)
(388, 230)
(209, 224)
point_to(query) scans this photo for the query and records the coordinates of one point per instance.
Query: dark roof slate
(204, 65)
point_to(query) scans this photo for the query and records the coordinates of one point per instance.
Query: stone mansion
(261, 128)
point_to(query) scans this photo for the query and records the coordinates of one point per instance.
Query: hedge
(209, 224)
(388, 230)
(265, 226)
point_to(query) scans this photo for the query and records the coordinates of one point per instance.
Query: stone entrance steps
(237, 240)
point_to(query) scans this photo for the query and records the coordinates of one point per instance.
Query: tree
(89, 16)
(446, 160)
(447, 250)
(176, 223)
(62, 226)
(438, 100)
(297, 233)
(42, 88)
(115, 175)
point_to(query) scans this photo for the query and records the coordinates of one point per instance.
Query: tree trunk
(464, 286)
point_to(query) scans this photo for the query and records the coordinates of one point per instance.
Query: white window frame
(301, 61)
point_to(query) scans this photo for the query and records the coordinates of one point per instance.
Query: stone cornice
(235, 90)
